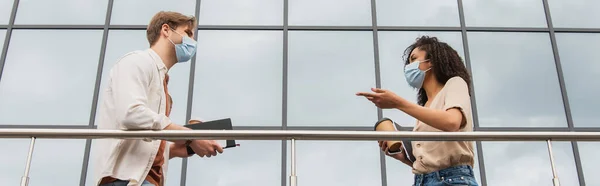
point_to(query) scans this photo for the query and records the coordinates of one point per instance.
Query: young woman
(436, 70)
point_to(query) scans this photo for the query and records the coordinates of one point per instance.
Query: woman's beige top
(436, 155)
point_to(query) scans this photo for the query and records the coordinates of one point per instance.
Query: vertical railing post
(293, 180)
(25, 178)
(554, 174)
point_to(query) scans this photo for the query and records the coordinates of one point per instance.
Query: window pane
(121, 42)
(254, 163)
(239, 76)
(528, 163)
(49, 166)
(130, 12)
(326, 69)
(523, 13)
(2, 37)
(588, 151)
(391, 49)
(241, 12)
(578, 57)
(336, 163)
(399, 173)
(71, 12)
(417, 13)
(330, 12)
(5, 10)
(50, 75)
(515, 80)
(575, 13)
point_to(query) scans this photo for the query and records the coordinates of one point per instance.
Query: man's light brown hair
(173, 19)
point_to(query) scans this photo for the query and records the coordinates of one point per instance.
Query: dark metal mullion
(378, 82)
(284, 93)
(88, 142)
(563, 90)
(9, 28)
(190, 100)
(461, 14)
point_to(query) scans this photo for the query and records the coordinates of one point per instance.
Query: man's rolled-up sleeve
(131, 80)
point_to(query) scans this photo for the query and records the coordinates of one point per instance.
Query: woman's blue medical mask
(414, 75)
(186, 49)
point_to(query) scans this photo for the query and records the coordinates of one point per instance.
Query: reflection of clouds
(61, 70)
(575, 13)
(579, 60)
(122, 10)
(515, 79)
(417, 13)
(505, 13)
(330, 12)
(5, 10)
(49, 166)
(326, 69)
(588, 151)
(241, 12)
(391, 50)
(334, 163)
(238, 75)
(87, 12)
(527, 163)
(244, 165)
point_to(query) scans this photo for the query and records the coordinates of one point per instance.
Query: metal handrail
(299, 135)
(294, 135)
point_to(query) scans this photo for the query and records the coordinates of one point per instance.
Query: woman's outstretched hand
(384, 99)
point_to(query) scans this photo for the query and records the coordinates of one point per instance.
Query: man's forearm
(173, 126)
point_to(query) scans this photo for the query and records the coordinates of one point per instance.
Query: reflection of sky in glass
(516, 84)
(336, 163)
(241, 12)
(528, 163)
(54, 161)
(330, 12)
(5, 10)
(579, 60)
(417, 13)
(575, 13)
(139, 12)
(239, 76)
(504, 13)
(253, 163)
(71, 12)
(39, 77)
(321, 79)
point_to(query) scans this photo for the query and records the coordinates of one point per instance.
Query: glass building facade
(295, 65)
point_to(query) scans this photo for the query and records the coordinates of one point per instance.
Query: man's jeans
(124, 183)
(461, 175)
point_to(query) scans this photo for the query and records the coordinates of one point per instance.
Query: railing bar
(25, 178)
(299, 135)
(554, 174)
(293, 179)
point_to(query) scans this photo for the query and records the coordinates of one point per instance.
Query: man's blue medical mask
(186, 49)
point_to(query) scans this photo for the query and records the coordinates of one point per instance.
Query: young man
(135, 99)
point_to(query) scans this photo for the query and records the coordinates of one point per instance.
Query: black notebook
(222, 124)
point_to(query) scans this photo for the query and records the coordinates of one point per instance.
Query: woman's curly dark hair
(445, 60)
